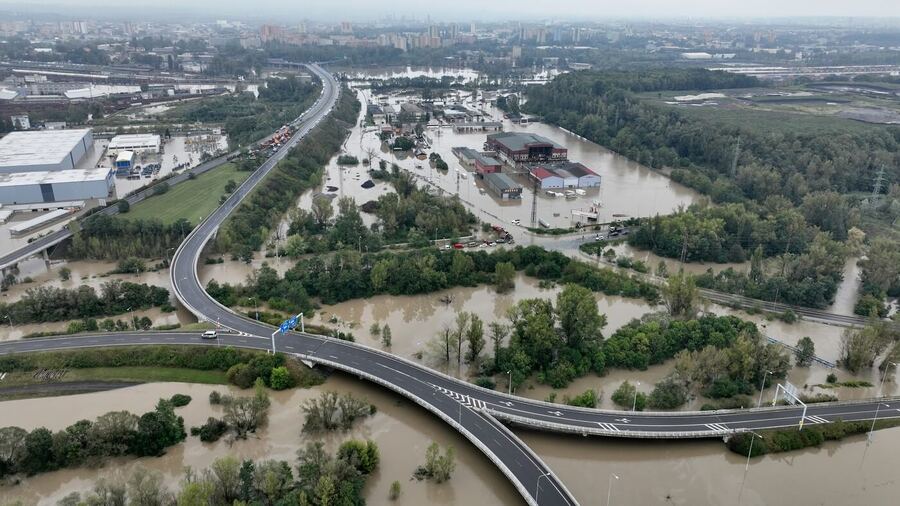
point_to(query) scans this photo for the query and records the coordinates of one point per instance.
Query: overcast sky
(466, 10)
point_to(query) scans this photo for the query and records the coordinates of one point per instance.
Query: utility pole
(534, 202)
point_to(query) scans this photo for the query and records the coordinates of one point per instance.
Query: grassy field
(193, 199)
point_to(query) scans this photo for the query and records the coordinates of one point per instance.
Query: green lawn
(126, 373)
(193, 199)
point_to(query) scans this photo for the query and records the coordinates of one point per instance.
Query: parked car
(458, 246)
(516, 221)
(210, 334)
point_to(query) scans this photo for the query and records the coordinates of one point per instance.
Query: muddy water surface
(701, 473)
(401, 429)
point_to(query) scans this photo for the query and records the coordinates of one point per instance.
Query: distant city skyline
(464, 10)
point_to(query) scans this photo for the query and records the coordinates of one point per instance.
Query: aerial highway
(473, 411)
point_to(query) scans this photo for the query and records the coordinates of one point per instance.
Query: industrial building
(137, 143)
(503, 185)
(55, 186)
(51, 166)
(521, 147)
(44, 150)
(482, 163)
(564, 175)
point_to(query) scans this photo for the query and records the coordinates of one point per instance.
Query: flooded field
(401, 429)
(90, 273)
(683, 472)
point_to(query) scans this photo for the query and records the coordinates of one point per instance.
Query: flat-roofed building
(44, 150)
(503, 185)
(55, 186)
(522, 147)
(138, 143)
(564, 175)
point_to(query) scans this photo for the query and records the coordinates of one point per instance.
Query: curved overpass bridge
(472, 410)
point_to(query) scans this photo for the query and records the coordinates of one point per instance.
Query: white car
(516, 221)
(210, 334)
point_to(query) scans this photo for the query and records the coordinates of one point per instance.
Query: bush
(588, 399)
(668, 394)
(281, 379)
(831, 378)
(179, 400)
(486, 382)
(215, 397)
(123, 206)
(627, 396)
(241, 375)
(210, 431)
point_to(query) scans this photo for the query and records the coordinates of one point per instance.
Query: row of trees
(301, 169)
(318, 479)
(731, 232)
(349, 275)
(49, 304)
(114, 434)
(103, 237)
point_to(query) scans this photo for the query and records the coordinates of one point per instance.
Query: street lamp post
(872, 428)
(753, 436)
(8, 317)
(537, 485)
(886, 369)
(762, 387)
(256, 307)
(609, 487)
(509, 384)
(634, 402)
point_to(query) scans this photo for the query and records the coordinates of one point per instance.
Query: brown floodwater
(416, 320)
(401, 429)
(705, 473)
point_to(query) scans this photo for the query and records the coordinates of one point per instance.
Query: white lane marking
(609, 427)
(289, 347)
(462, 398)
(716, 426)
(509, 404)
(816, 419)
(557, 413)
(623, 420)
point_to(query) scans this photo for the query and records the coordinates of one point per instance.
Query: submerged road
(471, 410)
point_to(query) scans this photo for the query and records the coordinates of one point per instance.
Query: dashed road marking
(816, 419)
(609, 427)
(556, 413)
(716, 426)
(623, 420)
(462, 398)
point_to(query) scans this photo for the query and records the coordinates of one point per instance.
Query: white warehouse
(138, 143)
(51, 166)
(44, 150)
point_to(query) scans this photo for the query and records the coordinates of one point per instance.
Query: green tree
(627, 396)
(680, 295)
(65, 273)
(668, 394)
(386, 336)
(504, 276)
(805, 352)
(281, 378)
(474, 338)
(498, 335)
(579, 319)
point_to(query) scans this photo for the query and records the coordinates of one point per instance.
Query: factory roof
(517, 141)
(54, 176)
(560, 169)
(502, 181)
(131, 140)
(39, 147)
